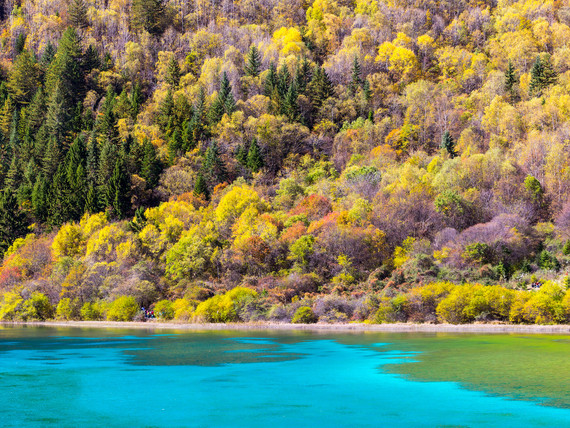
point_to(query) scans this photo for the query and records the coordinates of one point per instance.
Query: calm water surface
(94, 377)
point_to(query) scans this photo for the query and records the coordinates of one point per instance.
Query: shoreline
(352, 327)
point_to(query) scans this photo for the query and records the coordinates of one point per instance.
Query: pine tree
(254, 158)
(23, 79)
(241, 154)
(12, 220)
(542, 75)
(118, 190)
(40, 195)
(57, 115)
(201, 187)
(148, 15)
(270, 81)
(77, 13)
(52, 157)
(253, 62)
(213, 164)
(20, 43)
(175, 145)
(92, 162)
(137, 99)
(188, 134)
(92, 204)
(224, 102)
(510, 80)
(76, 177)
(290, 106)
(320, 87)
(303, 76)
(65, 70)
(173, 72)
(356, 77)
(165, 112)
(48, 54)
(448, 144)
(59, 198)
(139, 221)
(150, 169)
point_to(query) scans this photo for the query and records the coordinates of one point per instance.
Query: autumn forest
(285, 160)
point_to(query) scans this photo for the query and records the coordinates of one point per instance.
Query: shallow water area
(119, 377)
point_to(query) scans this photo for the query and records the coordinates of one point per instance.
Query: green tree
(254, 158)
(253, 62)
(23, 79)
(150, 168)
(173, 72)
(213, 166)
(201, 187)
(448, 144)
(224, 102)
(118, 190)
(148, 15)
(12, 220)
(542, 75)
(77, 13)
(511, 81)
(356, 76)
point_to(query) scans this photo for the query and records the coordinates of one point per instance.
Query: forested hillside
(333, 159)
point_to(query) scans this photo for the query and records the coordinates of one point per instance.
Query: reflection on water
(115, 377)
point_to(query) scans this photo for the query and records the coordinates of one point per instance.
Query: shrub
(183, 309)
(68, 309)
(123, 309)
(304, 315)
(93, 311)
(225, 307)
(164, 310)
(37, 307)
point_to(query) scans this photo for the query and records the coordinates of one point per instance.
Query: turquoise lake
(79, 377)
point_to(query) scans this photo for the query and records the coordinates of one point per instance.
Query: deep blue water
(91, 377)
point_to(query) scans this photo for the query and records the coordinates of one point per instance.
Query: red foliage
(293, 233)
(313, 206)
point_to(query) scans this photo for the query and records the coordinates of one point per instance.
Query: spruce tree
(290, 106)
(148, 15)
(254, 158)
(241, 154)
(118, 190)
(175, 146)
(213, 164)
(165, 112)
(542, 75)
(12, 220)
(40, 195)
(92, 204)
(139, 221)
(356, 76)
(48, 54)
(224, 102)
(150, 169)
(253, 62)
(24, 78)
(77, 13)
(59, 198)
(173, 72)
(201, 188)
(448, 144)
(303, 76)
(270, 81)
(510, 80)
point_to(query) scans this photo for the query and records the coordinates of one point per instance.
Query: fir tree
(270, 83)
(137, 99)
(52, 157)
(20, 43)
(224, 102)
(118, 190)
(254, 158)
(148, 15)
(57, 115)
(139, 221)
(303, 76)
(92, 162)
(253, 62)
(175, 145)
(77, 13)
(48, 54)
(542, 75)
(23, 79)
(201, 188)
(92, 204)
(320, 87)
(356, 76)
(59, 198)
(12, 220)
(213, 164)
(448, 144)
(40, 195)
(165, 111)
(510, 80)
(150, 169)
(290, 106)
(241, 154)
(173, 72)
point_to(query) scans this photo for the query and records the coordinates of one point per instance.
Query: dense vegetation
(282, 159)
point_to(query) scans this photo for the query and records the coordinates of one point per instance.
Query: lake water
(70, 377)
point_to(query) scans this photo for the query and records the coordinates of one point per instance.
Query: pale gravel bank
(352, 327)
